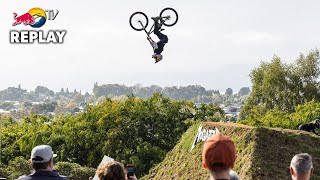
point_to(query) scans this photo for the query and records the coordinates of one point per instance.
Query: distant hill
(262, 153)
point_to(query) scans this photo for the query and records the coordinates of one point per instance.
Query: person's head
(42, 157)
(301, 166)
(111, 171)
(157, 57)
(219, 155)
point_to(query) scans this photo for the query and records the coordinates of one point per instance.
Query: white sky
(214, 44)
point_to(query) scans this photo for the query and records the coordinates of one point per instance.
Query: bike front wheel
(169, 16)
(138, 21)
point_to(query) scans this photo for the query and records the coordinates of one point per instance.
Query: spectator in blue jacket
(42, 163)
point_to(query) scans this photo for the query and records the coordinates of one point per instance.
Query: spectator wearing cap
(42, 163)
(301, 167)
(219, 155)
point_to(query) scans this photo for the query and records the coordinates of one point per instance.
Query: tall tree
(229, 92)
(244, 91)
(277, 85)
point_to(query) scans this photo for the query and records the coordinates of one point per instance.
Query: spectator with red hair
(219, 155)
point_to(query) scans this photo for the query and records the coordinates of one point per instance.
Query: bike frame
(162, 20)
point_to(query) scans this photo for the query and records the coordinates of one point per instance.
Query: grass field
(262, 153)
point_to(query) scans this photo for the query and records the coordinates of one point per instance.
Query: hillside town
(19, 102)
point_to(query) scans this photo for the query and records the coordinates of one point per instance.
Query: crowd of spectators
(42, 163)
(218, 156)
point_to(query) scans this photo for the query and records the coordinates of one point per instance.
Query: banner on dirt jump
(203, 135)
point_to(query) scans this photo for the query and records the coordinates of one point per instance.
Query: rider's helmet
(157, 57)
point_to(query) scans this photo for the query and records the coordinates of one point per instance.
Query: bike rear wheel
(138, 21)
(170, 16)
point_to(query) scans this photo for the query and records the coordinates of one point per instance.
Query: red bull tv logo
(36, 18)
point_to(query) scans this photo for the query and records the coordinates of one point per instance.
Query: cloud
(183, 32)
(251, 37)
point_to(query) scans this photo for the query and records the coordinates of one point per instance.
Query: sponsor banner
(36, 18)
(203, 135)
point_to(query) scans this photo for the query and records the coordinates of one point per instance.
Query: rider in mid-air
(163, 39)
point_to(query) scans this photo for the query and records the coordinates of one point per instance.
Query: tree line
(133, 130)
(20, 102)
(190, 92)
(196, 93)
(284, 94)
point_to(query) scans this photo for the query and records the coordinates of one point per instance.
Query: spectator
(301, 167)
(219, 155)
(42, 163)
(112, 170)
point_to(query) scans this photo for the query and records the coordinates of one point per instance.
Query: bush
(278, 119)
(74, 171)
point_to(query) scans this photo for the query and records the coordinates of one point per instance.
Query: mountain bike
(139, 20)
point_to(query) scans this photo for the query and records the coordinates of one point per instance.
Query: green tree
(209, 112)
(229, 91)
(244, 91)
(74, 171)
(132, 130)
(19, 166)
(280, 86)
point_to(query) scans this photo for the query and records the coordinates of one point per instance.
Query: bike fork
(144, 28)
